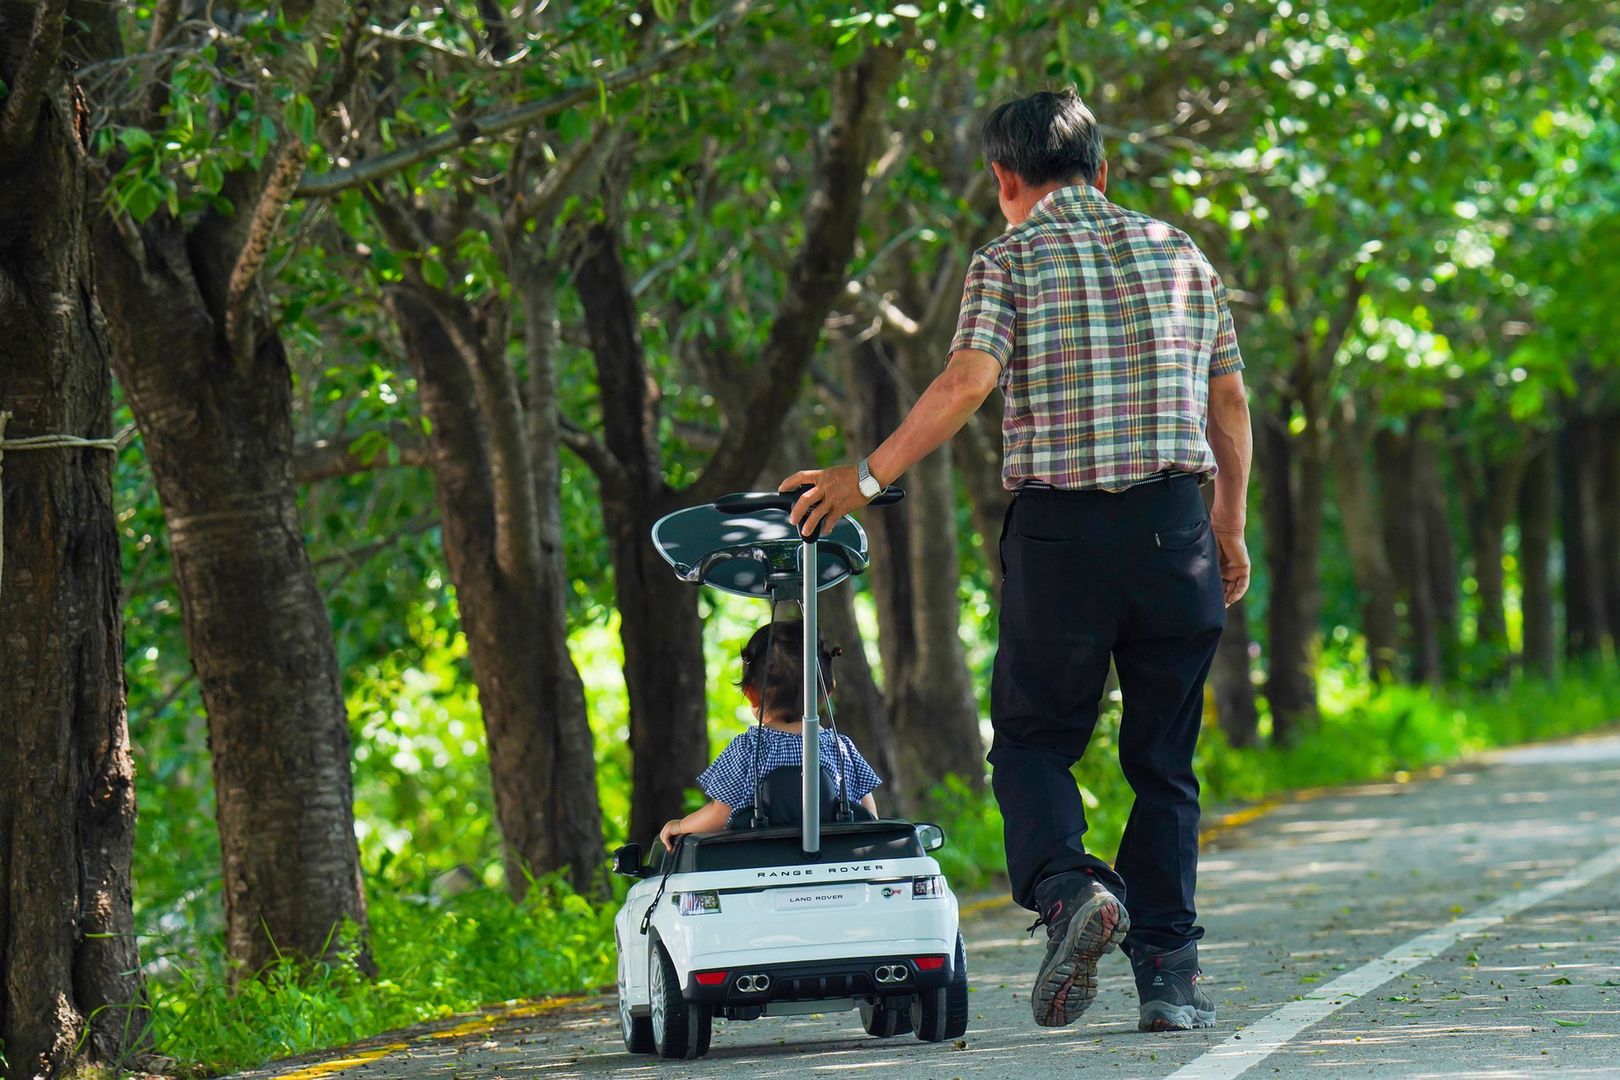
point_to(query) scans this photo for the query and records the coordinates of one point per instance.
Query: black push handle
(744, 502)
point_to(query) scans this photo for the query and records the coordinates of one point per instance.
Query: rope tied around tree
(43, 442)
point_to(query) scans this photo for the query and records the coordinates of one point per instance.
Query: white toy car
(795, 908)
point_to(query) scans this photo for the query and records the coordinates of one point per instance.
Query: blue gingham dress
(731, 778)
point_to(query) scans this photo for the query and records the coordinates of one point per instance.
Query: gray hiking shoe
(1083, 921)
(1167, 989)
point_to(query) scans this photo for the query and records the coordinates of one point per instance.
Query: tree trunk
(1490, 492)
(1369, 557)
(1584, 587)
(71, 991)
(1232, 682)
(1292, 551)
(1606, 440)
(218, 434)
(977, 453)
(541, 755)
(658, 614)
(927, 689)
(1405, 529)
(936, 719)
(1439, 553)
(1536, 523)
(1231, 677)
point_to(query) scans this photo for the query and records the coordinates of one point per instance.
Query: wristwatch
(869, 485)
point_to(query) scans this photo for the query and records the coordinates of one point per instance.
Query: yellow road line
(337, 1065)
(473, 1025)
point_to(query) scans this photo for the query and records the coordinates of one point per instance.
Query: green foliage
(437, 957)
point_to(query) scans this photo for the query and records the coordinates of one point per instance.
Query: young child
(774, 686)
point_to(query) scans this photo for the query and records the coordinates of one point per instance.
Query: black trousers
(1089, 575)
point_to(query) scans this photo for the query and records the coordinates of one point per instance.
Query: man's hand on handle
(833, 493)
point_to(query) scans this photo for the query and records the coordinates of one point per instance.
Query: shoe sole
(1067, 983)
(1162, 1016)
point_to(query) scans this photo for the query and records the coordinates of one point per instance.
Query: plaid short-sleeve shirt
(731, 778)
(1108, 325)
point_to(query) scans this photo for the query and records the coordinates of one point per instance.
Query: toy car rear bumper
(815, 980)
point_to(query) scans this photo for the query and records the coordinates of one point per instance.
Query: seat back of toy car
(780, 802)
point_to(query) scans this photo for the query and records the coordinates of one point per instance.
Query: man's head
(1041, 142)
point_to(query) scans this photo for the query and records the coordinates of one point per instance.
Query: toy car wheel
(637, 1030)
(886, 1021)
(942, 1014)
(679, 1030)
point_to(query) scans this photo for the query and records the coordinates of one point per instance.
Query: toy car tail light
(709, 978)
(930, 888)
(929, 963)
(700, 903)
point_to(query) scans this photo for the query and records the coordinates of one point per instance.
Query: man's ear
(1007, 180)
(1101, 183)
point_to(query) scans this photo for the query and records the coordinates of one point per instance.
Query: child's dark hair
(780, 682)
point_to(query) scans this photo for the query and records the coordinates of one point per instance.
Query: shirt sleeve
(862, 778)
(989, 318)
(731, 778)
(1224, 358)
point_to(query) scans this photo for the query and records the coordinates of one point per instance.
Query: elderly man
(1109, 334)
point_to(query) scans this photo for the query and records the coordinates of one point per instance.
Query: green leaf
(1569, 1023)
(136, 140)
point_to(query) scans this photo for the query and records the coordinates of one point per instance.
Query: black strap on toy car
(663, 882)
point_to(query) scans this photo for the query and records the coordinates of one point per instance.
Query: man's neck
(1031, 196)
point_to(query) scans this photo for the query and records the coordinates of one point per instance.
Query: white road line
(1246, 1049)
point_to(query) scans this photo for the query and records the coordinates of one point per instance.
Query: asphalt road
(1461, 925)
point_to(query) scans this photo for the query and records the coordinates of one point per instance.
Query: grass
(437, 956)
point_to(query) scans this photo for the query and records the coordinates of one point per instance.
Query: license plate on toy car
(817, 899)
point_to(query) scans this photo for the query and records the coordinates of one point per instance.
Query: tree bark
(658, 614)
(71, 990)
(977, 452)
(218, 434)
(541, 755)
(1536, 525)
(1584, 587)
(1606, 439)
(1231, 676)
(1490, 494)
(936, 713)
(1439, 552)
(1405, 528)
(1291, 499)
(928, 692)
(1364, 536)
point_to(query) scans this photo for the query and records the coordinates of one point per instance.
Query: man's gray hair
(1044, 137)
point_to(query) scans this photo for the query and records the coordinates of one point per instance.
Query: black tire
(885, 1021)
(679, 1030)
(937, 1015)
(637, 1030)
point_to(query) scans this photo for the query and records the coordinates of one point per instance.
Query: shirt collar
(1081, 197)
